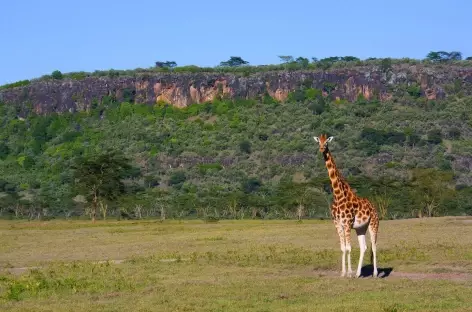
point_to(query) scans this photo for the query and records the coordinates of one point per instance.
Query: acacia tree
(431, 187)
(166, 64)
(99, 177)
(286, 58)
(234, 61)
(303, 62)
(443, 56)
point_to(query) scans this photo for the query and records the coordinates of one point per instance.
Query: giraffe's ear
(316, 139)
(330, 139)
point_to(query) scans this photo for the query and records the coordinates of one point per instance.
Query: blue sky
(39, 37)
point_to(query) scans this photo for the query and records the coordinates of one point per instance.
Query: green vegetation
(57, 75)
(100, 178)
(234, 61)
(239, 158)
(20, 83)
(442, 56)
(250, 265)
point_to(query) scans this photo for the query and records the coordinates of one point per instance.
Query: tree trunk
(254, 212)
(138, 211)
(94, 206)
(104, 210)
(163, 213)
(300, 212)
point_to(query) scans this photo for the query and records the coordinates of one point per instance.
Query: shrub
(245, 147)
(434, 136)
(414, 90)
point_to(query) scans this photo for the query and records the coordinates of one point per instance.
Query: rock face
(182, 89)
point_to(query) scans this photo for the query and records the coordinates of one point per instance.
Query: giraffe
(350, 211)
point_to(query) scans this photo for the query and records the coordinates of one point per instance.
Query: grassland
(229, 266)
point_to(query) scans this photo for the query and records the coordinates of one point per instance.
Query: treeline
(237, 159)
(236, 64)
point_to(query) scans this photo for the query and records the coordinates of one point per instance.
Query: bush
(245, 147)
(20, 83)
(435, 136)
(177, 179)
(4, 150)
(414, 90)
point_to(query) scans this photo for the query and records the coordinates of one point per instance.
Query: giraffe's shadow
(368, 270)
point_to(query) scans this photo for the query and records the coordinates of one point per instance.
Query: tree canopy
(234, 61)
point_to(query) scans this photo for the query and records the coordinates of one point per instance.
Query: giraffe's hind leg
(373, 228)
(362, 246)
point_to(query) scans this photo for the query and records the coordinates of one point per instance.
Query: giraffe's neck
(339, 185)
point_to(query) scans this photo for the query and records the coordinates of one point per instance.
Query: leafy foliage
(443, 56)
(20, 83)
(166, 64)
(98, 177)
(57, 75)
(234, 61)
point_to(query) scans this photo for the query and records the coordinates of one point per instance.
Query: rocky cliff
(182, 89)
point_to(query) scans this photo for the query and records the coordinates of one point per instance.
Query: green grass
(228, 266)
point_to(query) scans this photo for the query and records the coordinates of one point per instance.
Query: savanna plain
(241, 265)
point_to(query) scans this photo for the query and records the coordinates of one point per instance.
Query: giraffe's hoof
(343, 274)
(375, 274)
(349, 274)
(358, 274)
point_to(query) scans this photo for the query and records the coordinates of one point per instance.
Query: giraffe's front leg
(342, 243)
(347, 238)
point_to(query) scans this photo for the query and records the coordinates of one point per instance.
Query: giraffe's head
(323, 142)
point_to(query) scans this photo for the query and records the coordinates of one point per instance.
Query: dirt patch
(407, 275)
(383, 273)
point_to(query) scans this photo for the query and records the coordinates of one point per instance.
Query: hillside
(403, 138)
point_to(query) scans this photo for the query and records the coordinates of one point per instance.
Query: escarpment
(183, 89)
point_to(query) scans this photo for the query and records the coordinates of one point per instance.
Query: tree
(386, 65)
(433, 56)
(285, 59)
(250, 185)
(350, 59)
(166, 64)
(469, 58)
(298, 198)
(455, 56)
(303, 62)
(57, 75)
(234, 61)
(99, 177)
(177, 179)
(443, 56)
(431, 186)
